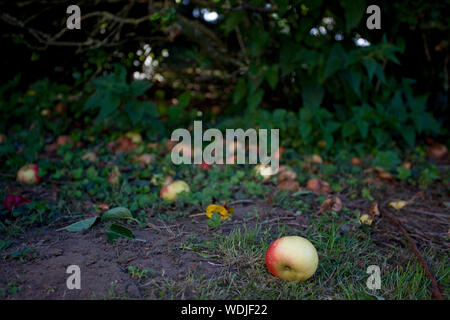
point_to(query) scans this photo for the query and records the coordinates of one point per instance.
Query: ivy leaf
(117, 213)
(81, 225)
(116, 231)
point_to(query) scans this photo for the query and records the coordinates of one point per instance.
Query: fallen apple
(437, 151)
(292, 258)
(264, 170)
(171, 191)
(134, 136)
(28, 174)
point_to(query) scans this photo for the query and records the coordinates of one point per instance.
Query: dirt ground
(42, 272)
(103, 265)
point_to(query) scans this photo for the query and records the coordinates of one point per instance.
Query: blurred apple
(134, 136)
(171, 191)
(28, 174)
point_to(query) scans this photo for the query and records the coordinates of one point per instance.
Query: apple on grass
(292, 258)
(28, 174)
(170, 191)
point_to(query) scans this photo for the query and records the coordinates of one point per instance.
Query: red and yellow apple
(292, 258)
(28, 174)
(171, 191)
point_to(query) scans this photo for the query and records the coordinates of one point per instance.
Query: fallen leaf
(64, 140)
(12, 201)
(315, 158)
(383, 174)
(318, 186)
(285, 173)
(114, 176)
(406, 165)
(90, 156)
(397, 205)
(225, 213)
(333, 203)
(290, 185)
(153, 145)
(103, 206)
(365, 219)
(144, 159)
(170, 144)
(356, 161)
(121, 144)
(374, 211)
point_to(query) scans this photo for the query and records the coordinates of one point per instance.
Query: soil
(42, 273)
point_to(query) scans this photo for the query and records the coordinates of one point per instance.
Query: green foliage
(117, 100)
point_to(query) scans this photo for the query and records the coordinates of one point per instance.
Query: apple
(264, 170)
(134, 136)
(292, 258)
(171, 191)
(437, 151)
(2, 138)
(28, 174)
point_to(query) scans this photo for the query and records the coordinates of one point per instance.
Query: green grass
(343, 261)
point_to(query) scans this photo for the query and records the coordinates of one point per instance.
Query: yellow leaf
(398, 204)
(225, 213)
(365, 219)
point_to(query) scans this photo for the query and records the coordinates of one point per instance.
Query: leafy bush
(117, 101)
